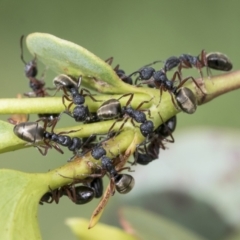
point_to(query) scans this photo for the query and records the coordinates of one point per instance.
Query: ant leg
(50, 89)
(57, 193)
(185, 64)
(135, 154)
(172, 140)
(89, 95)
(175, 75)
(45, 122)
(118, 120)
(109, 60)
(71, 193)
(170, 134)
(133, 73)
(67, 98)
(132, 121)
(160, 89)
(129, 100)
(43, 152)
(68, 113)
(72, 131)
(109, 131)
(186, 79)
(54, 122)
(56, 146)
(144, 103)
(203, 58)
(136, 80)
(203, 61)
(173, 101)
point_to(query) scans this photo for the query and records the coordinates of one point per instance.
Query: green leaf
(79, 227)
(20, 193)
(66, 57)
(150, 226)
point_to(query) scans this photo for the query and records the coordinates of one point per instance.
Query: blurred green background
(134, 33)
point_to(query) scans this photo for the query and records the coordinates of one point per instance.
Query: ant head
(31, 67)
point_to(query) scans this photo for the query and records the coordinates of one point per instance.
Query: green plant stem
(213, 87)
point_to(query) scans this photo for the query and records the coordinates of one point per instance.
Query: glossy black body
(218, 61)
(110, 109)
(186, 100)
(78, 194)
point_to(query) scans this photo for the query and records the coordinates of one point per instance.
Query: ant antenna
(21, 46)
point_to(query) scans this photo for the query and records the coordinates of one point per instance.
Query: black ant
(159, 78)
(213, 60)
(78, 194)
(121, 73)
(68, 85)
(33, 132)
(123, 182)
(147, 154)
(37, 86)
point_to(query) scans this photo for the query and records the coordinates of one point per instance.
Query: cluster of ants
(146, 152)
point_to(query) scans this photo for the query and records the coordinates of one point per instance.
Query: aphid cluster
(83, 191)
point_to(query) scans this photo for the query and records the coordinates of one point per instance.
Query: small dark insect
(34, 133)
(160, 80)
(145, 155)
(123, 182)
(69, 86)
(213, 60)
(78, 194)
(37, 86)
